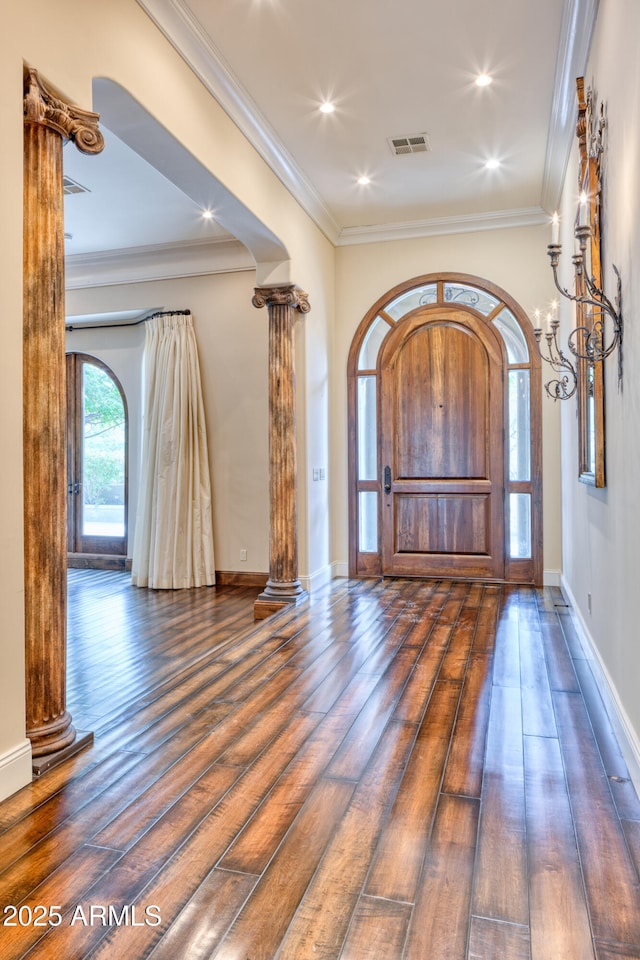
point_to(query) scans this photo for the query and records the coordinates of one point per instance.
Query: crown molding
(438, 226)
(578, 23)
(169, 261)
(195, 46)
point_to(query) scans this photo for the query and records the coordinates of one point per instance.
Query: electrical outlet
(243, 555)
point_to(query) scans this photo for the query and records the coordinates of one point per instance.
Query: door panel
(440, 428)
(429, 523)
(442, 439)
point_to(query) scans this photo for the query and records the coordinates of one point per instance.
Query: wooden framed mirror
(590, 393)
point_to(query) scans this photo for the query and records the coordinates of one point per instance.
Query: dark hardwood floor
(400, 770)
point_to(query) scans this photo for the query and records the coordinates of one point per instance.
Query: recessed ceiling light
(327, 107)
(483, 80)
(207, 215)
(492, 164)
(364, 181)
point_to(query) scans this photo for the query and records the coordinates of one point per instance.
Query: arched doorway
(97, 458)
(445, 435)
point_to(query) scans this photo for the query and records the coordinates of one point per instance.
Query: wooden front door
(442, 442)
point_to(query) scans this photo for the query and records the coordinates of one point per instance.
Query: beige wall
(516, 260)
(15, 758)
(602, 527)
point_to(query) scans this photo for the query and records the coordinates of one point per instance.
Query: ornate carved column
(283, 586)
(48, 121)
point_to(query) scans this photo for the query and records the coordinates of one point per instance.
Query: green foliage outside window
(104, 438)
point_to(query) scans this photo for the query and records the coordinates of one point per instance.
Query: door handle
(387, 479)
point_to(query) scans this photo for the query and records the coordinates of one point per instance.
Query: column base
(41, 764)
(51, 736)
(275, 596)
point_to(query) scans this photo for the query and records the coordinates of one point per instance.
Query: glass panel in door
(103, 455)
(96, 458)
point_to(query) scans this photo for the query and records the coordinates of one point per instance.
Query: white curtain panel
(173, 546)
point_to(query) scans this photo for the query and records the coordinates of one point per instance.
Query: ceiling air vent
(417, 143)
(70, 186)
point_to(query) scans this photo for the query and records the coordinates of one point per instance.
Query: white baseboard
(15, 769)
(322, 576)
(317, 579)
(625, 732)
(552, 578)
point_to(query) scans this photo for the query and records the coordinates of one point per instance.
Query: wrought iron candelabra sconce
(587, 341)
(598, 329)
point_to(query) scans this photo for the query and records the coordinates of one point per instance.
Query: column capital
(71, 122)
(283, 296)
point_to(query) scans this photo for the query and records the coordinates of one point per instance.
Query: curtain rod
(134, 323)
(167, 313)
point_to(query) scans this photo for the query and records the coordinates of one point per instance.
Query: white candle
(555, 228)
(583, 219)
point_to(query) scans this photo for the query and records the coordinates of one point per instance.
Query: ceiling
(390, 69)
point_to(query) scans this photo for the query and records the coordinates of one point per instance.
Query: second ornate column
(283, 587)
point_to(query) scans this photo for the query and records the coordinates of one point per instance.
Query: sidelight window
(368, 521)
(367, 429)
(519, 425)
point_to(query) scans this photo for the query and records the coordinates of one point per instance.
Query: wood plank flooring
(398, 770)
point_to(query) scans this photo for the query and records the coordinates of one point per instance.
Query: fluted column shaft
(48, 723)
(283, 587)
(47, 122)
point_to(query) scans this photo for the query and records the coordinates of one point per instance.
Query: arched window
(454, 305)
(96, 458)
